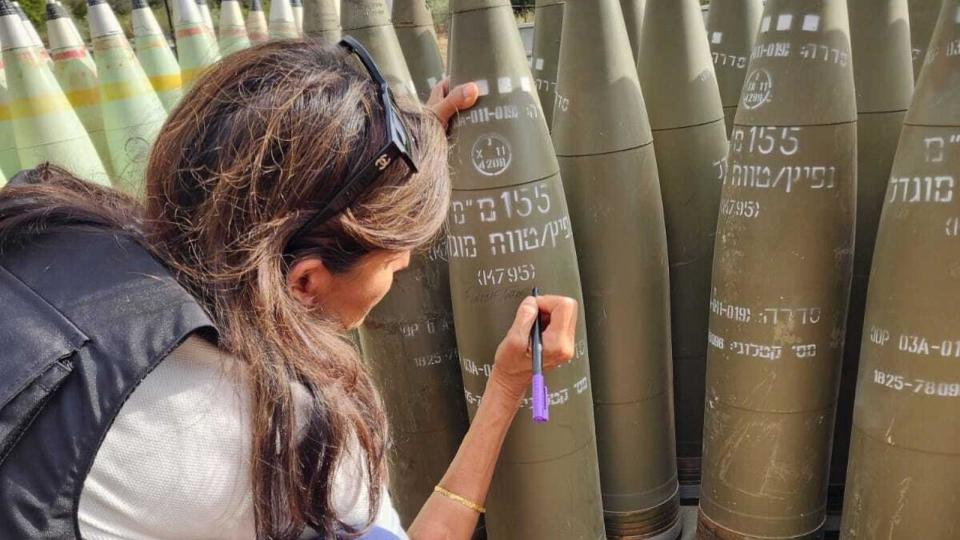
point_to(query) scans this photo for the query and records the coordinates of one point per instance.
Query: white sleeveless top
(175, 464)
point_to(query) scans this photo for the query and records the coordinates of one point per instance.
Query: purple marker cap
(541, 406)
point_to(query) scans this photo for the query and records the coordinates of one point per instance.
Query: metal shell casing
(633, 18)
(76, 73)
(45, 126)
(418, 40)
(605, 150)
(156, 58)
(369, 22)
(923, 18)
(233, 32)
(547, 28)
(9, 161)
(282, 24)
(509, 230)
(883, 71)
(257, 30)
(321, 20)
(781, 279)
(732, 28)
(132, 112)
(689, 135)
(196, 45)
(409, 342)
(408, 339)
(905, 448)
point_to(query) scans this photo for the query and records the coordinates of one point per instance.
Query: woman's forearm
(471, 471)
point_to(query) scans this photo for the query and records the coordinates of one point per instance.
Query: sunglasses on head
(397, 147)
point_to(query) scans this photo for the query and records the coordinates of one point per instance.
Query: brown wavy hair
(242, 162)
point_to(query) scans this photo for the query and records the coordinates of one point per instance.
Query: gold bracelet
(454, 497)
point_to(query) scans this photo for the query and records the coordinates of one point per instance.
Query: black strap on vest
(85, 315)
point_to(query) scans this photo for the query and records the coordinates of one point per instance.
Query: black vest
(85, 315)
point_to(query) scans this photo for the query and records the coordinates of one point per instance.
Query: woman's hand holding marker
(513, 364)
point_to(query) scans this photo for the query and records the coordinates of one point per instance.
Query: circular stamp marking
(491, 154)
(758, 89)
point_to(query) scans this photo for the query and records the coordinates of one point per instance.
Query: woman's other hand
(445, 103)
(513, 367)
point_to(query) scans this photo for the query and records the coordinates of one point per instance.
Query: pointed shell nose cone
(937, 99)
(102, 20)
(281, 10)
(55, 11)
(676, 66)
(230, 14)
(298, 15)
(357, 14)
(13, 34)
(411, 13)
(31, 31)
(144, 23)
(61, 32)
(322, 19)
(282, 23)
(186, 12)
(205, 15)
(7, 8)
(256, 23)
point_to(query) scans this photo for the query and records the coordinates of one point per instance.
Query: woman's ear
(309, 280)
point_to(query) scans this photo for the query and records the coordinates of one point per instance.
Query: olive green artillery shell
(781, 279)
(686, 115)
(905, 449)
(935, 102)
(78, 80)
(604, 147)
(633, 18)
(626, 297)
(732, 28)
(923, 18)
(509, 230)
(132, 112)
(158, 61)
(785, 77)
(547, 28)
(780, 284)
(409, 342)
(356, 14)
(45, 125)
(411, 13)
(9, 161)
(321, 20)
(418, 40)
(369, 22)
(691, 162)
(883, 71)
(880, 33)
(676, 69)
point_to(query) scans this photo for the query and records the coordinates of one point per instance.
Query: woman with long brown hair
(179, 369)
